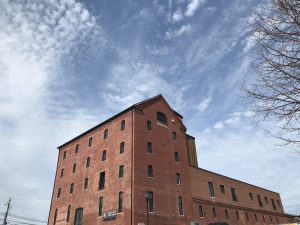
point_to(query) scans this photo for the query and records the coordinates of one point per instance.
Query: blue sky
(67, 65)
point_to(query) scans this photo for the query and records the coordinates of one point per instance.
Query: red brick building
(140, 167)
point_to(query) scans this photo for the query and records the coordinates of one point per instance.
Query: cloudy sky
(66, 65)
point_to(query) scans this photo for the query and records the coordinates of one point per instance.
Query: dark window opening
(120, 205)
(150, 200)
(122, 125)
(161, 118)
(88, 162)
(233, 195)
(104, 155)
(149, 148)
(100, 212)
(178, 178)
(266, 200)
(90, 141)
(68, 213)
(211, 189)
(264, 218)
(271, 219)
(237, 215)
(251, 196)
(277, 219)
(105, 135)
(149, 125)
(273, 204)
(76, 148)
(176, 155)
(222, 188)
(72, 188)
(58, 192)
(247, 217)
(278, 202)
(65, 155)
(256, 219)
(226, 215)
(174, 136)
(74, 168)
(150, 171)
(180, 204)
(55, 217)
(86, 183)
(102, 180)
(259, 201)
(122, 147)
(201, 213)
(121, 171)
(214, 212)
(78, 216)
(62, 173)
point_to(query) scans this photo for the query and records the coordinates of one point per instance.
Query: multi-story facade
(140, 167)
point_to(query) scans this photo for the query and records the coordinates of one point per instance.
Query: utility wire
(24, 218)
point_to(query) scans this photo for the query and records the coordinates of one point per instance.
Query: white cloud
(219, 126)
(172, 34)
(177, 15)
(36, 40)
(157, 50)
(204, 104)
(192, 6)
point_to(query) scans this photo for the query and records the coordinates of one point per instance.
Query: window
(122, 147)
(65, 155)
(88, 162)
(76, 148)
(120, 205)
(161, 118)
(247, 217)
(180, 204)
(121, 171)
(277, 219)
(102, 180)
(104, 155)
(233, 195)
(71, 188)
(176, 156)
(74, 168)
(58, 192)
(150, 200)
(122, 125)
(100, 212)
(214, 212)
(68, 213)
(273, 204)
(266, 200)
(62, 173)
(55, 216)
(149, 148)
(255, 216)
(226, 215)
(237, 215)
(222, 188)
(178, 178)
(149, 125)
(251, 196)
(86, 183)
(211, 189)
(201, 214)
(90, 141)
(78, 216)
(174, 136)
(278, 202)
(259, 201)
(264, 218)
(271, 219)
(150, 171)
(105, 135)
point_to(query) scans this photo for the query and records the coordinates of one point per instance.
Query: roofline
(234, 179)
(190, 136)
(97, 126)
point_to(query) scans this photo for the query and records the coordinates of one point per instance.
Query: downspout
(132, 147)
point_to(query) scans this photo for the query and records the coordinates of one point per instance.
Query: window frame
(122, 147)
(121, 171)
(149, 148)
(86, 183)
(211, 191)
(122, 125)
(149, 126)
(103, 158)
(105, 134)
(90, 142)
(150, 173)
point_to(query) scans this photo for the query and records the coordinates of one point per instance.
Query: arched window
(161, 118)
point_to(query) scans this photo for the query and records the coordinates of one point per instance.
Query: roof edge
(97, 126)
(234, 179)
(190, 136)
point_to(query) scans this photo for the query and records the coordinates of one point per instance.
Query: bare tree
(275, 93)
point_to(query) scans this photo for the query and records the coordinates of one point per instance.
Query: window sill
(149, 153)
(152, 178)
(163, 125)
